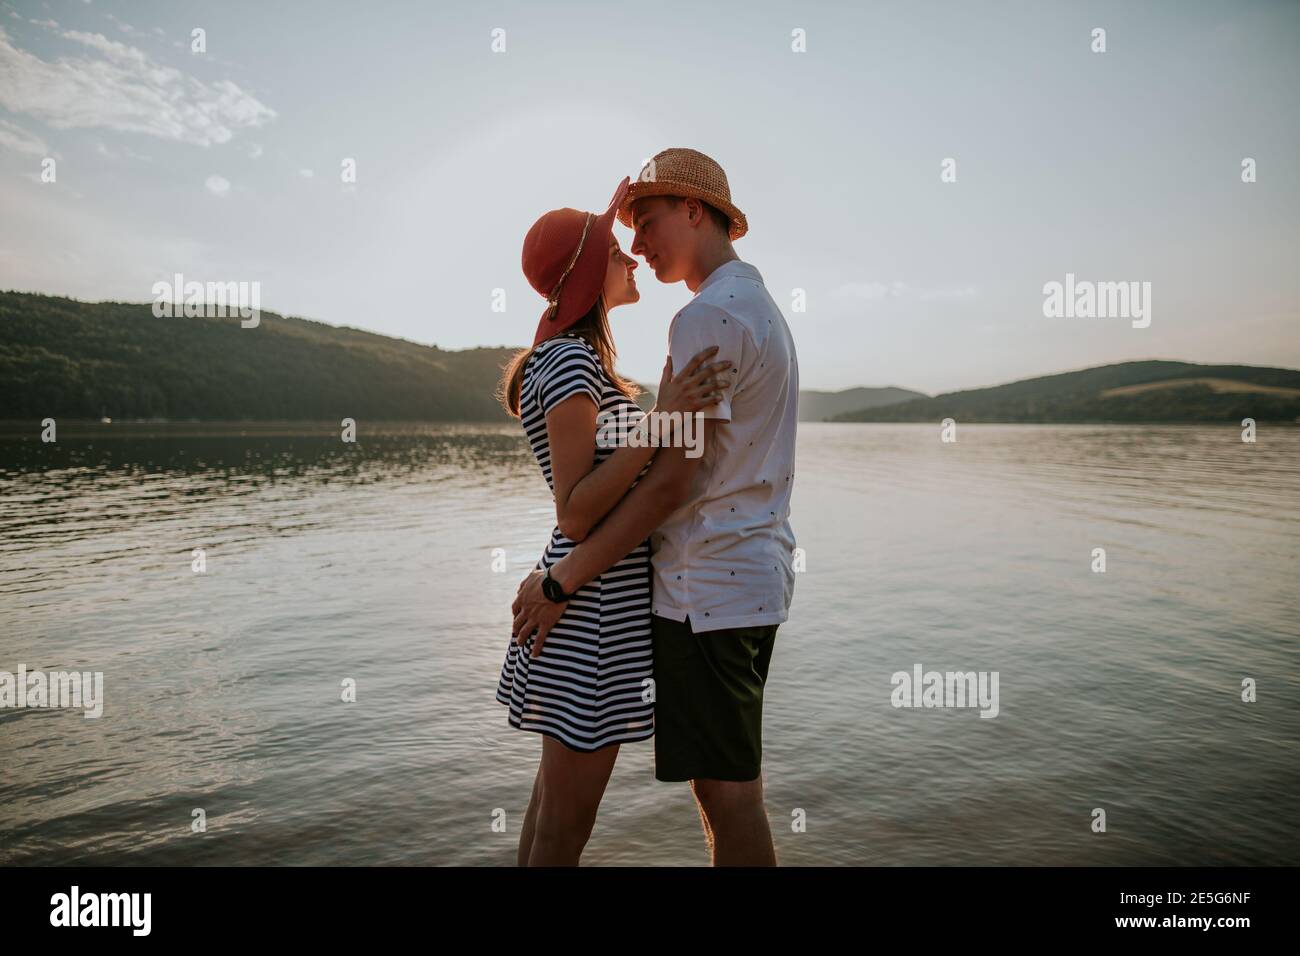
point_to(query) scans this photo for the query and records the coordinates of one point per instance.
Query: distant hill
(822, 406)
(64, 358)
(69, 359)
(1151, 391)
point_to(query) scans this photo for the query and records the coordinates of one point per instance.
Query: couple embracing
(654, 608)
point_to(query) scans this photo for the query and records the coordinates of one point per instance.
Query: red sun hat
(566, 254)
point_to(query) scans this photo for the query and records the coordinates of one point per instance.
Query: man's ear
(694, 211)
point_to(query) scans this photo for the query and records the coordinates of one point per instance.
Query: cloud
(122, 88)
(120, 152)
(124, 27)
(876, 291)
(306, 173)
(217, 185)
(20, 141)
(255, 151)
(871, 291)
(947, 295)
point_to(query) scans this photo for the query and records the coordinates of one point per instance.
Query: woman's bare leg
(530, 820)
(572, 786)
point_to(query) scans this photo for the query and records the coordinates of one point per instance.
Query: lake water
(374, 562)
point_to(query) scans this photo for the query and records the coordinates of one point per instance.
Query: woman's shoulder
(565, 341)
(564, 352)
(561, 366)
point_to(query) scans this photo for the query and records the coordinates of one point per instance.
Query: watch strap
(551, 588)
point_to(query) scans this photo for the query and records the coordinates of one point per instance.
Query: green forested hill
(68, 359)
(1151, 391)
(64, 358)
(817, 406)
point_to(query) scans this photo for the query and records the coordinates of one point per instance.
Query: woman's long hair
(594, 327)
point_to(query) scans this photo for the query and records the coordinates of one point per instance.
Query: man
(722, 551)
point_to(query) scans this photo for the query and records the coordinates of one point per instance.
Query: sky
(1117, 166)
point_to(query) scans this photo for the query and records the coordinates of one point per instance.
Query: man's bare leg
(737, 821)
(704, 822)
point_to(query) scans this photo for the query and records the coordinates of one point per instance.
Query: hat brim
(643, 188)
(583, 286)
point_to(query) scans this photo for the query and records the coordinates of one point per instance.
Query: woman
(586, 694)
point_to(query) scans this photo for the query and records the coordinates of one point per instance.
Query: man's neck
(709, 261)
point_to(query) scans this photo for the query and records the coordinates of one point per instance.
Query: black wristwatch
(551, 588)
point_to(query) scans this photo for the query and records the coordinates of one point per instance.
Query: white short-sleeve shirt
(724, 559)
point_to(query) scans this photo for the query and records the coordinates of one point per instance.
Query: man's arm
(664, 489)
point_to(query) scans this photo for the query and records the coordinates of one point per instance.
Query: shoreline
(85, 428)
(89, 428)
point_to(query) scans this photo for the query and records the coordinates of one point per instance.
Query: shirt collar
(732, 267)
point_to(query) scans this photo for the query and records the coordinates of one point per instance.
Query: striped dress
(589, 686)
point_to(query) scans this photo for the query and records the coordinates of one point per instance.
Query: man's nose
(638, 247)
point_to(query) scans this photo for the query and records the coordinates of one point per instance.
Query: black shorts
(709, 700)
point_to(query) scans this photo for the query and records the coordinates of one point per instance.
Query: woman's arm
(585, 492)
(665, 489)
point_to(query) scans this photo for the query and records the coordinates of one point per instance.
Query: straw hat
(684, 172)
(566, 254)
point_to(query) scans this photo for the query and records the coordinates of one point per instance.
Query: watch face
(551, 588)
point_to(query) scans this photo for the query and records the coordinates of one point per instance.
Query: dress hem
(585, 750)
